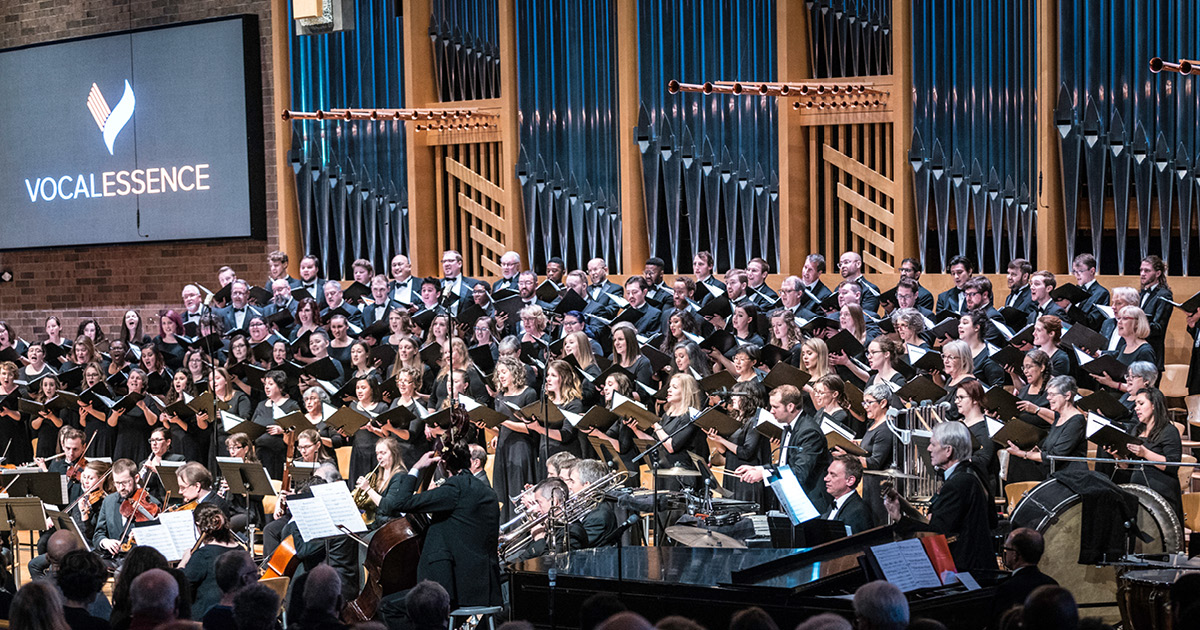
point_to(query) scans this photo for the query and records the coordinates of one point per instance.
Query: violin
(90, 499)
(183, 507)
(140, 507)
(74, 470)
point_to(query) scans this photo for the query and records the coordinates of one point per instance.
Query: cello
(284, 560)
(395, 550)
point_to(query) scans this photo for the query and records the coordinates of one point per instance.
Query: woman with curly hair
(199, 567)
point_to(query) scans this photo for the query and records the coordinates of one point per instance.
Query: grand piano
(710, 585)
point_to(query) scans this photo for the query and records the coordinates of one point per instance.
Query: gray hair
(960, 349)
(154, 591)
(1128, 294)
(1144, 370)
(880, 391)
(329, 472)
(911, 317)
(1065, 385)
(880, 603)
(957, 436)
(321, 393)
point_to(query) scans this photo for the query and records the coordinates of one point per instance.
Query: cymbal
(678, 471)
(697, 537)
(891, 473)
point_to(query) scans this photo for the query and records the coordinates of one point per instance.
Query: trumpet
(571, 511)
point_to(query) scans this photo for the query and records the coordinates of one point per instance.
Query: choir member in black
(239, 351)
(456, 358)
(515, 463)
(90, 328)
(83, 352)
(884, 356)
(851, 318)
(359, 365)
(784, 332)
(8, 337)
(400, 326)
(37, 367)
(135, 423)
(16, 445)
(1141, 375)
(387, 465)
(743, 324)
(408, 355)
(1153, 301)
(118, 363)
(1035, 409)
(95, 483)
(969, 400)
(240, 446)
(973, 329)
(318, 346)
(578, 345)
(234, 401)
(362, 443)
(412, 438)
(880, 443)
(829, 397)
(743, 367)
(1193, 329)
(683, 394)
(160, 451)
(1047, 333)
(1161, 442)
(317, 409)
(197, 368)
(158, 377)
(270, 445)
(308, 316)
(814, 360)
(745, 446)
(690, 359)
(170, 326)
(280, 354)
(340, 341)
(618, 434)
(101, 434)
(62, 347)
(1067, 436)
(910, 325)
(626, 353)
(1133, 328)
(957, 368)
(439, 331)
(199, 566)
(191, 439)
(46, 424)
(679, 324)
(487, 333)
(562, 391)
(131, 329)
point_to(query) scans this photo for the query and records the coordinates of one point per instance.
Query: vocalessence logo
(141, 181)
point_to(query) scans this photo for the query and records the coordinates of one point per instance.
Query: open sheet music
(173, 535)
(330, 506)
(906, 564)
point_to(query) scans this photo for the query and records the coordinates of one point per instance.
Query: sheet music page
(182, 528)
(993, 426)
(571, 417)
(229, 421)
(791, 495)
(312, 518)
(340, 506)
(906, 565)
(158, 537)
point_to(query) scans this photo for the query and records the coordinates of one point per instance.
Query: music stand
(247, 479)
(22, 514)
(606, 450)
(48, 487)
(64, 521)
(170, 483)
(301, 472)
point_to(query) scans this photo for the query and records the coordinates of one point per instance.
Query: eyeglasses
(157, 440)
(971, 293)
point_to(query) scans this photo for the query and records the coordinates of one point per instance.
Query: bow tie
(310, 286)
(239, 310)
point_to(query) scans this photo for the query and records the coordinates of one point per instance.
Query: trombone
(569, 512)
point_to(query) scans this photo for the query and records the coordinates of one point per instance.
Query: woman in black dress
(37, 367)
(135, 423)
(46, 424)
(515, 463)
(562, 391)
(683, 394)
(973, 330)
(910, 325)
(170, 326)
(784, 331)
(362, 443)
(626, 354)
(101, 437)
(158, 377)
(745, 446)
(690, 359)
(190, 439)
(57, 348)
(340, 341)
(969, 400)
(618, 434)
(83, 352)
(829, 396)
(413, 442)
(1160, 443)
(1067, 436)
(1034, 407)
(131, 329)
(880, 444)
(1133, 328)
(1047, 332)
(234, 401)
(270, 445)
(359, 366)
(14, 430)
(957, 370)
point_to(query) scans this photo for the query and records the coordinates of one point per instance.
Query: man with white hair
(510, 266)
(880, 605)
(337, 304)
(962, 507)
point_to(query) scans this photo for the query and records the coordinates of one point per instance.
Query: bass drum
(1054, 510)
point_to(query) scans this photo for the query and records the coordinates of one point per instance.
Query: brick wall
(102, 282)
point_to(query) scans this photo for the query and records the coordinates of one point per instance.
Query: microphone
(629, 522)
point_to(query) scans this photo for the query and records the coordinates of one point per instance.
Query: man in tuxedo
(841, 479)
(556, 268)
(380, 306)
(1018, 285)
(110, 525)
(478, 463)
(1040, 286)
(761, 294)
(601, 306)
(309, 281)
(680, 302)
(653, 273)
(238, 314)
(911, 269)
(791, 294)
(737, 281)
(1022, 551)
(527, 283)
(333, 297)
(598, 282)
(962, 269)
(600, 524)
(192, 304)
(635, 291)
(962, 507)
(403, 288)
(850, 265)
(277, 263)
(814, 291)
(510, 266)
(461, 541)
(702, 266)
(452, 279)
(1153, 300)
(1086, 313)
(906, 297)
(977, 295)
(803, 447)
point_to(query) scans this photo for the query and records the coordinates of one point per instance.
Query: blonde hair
(817, 345)
(569, 387)
(689, 391)
(961, 351)
(583, 350)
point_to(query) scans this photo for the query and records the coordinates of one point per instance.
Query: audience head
(625, 621)
(677, 622)
(1024, 547)
(595, 609)
(825, 621)
(80, 576)
(154, 594)
(323, 590)
(61, 543)
(752, 618)
(233, 570)
(37, 606)
(428, 606)
(255, 607)
(880, 605)
(1050, 608)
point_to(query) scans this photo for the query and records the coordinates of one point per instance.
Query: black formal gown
(880, 444)
(1020, 470)
(47, 434)
(362, 443)
(753, 449)
(133, 434)
(984, 456)
(690, 439)
(1168, 444)
(1067, 438)
(172, 353)
(272, 450)
(515, 462)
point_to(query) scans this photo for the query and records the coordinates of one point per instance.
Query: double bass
(395, 550)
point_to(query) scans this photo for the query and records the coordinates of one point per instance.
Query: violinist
(70, 441)
(195, 485)
(116, 510)
(240, 445)
(160, 451)
(96, 484)
(199, 563)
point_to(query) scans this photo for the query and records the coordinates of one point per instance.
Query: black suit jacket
(110, 523)
(230, 319)
(962, 507)
(600, 525)
(808, 456)
(818, 290)
(648, 323)
(368, 312)
(870, 295)
(355, 316)
(1050, 309)
(608, 287)
(854, 514)
(1158, 312)
(1014, 590)
(412, 283)
(318, 290)
(1086, 312)
(505, 283)
(1021, 299)
(924, 298)
(463, 535)
(949, 299)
